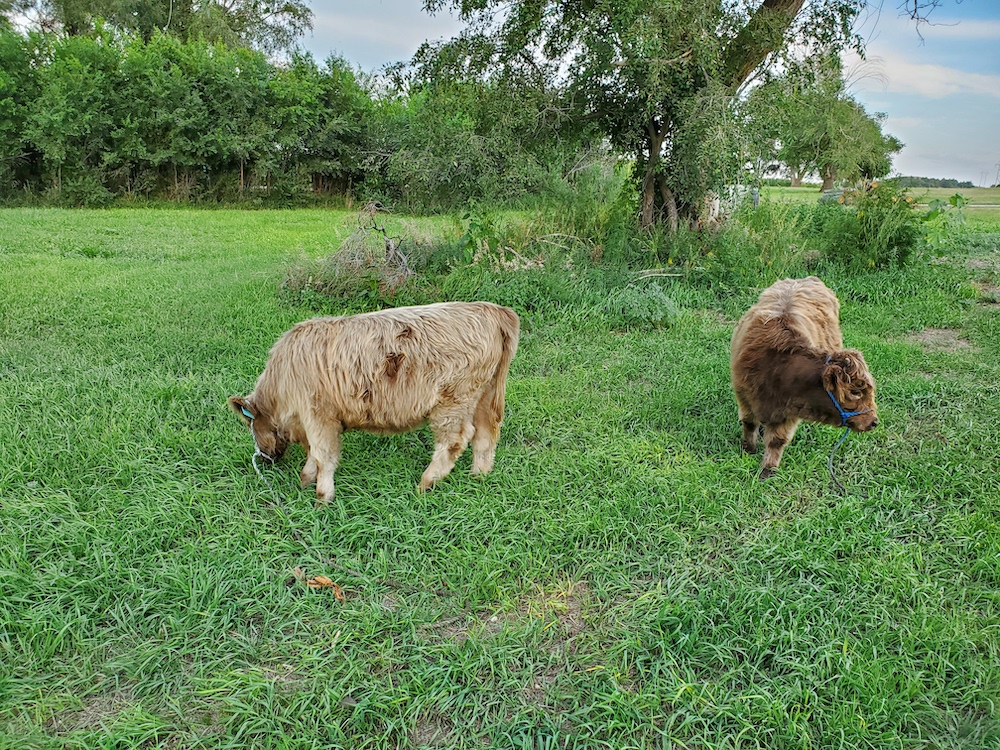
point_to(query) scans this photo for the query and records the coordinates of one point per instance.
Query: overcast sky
(941, 92)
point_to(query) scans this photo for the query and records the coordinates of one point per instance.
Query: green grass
(619, 581)
(811, 193)
(983, 213)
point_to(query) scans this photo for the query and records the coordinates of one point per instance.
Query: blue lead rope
(829, 461)
(844, 416)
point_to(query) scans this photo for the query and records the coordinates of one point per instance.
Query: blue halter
(844, 415)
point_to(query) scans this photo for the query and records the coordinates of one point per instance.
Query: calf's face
(270, 439)
(846, 376)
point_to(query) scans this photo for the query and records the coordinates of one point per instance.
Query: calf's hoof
(322, 500)
(766, 473)
(750, 448)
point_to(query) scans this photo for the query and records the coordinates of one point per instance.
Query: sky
(938, 84)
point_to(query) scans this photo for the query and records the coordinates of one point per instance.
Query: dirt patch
(535, 692)
(207, 723)
(431, 731)
(560, 610)
(281, 674)
(561, 607)
(940, 340)
(989, 293)
(97, 711)
(980, 264)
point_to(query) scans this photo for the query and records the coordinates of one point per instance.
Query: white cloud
(383, 31)
(372, 34)
(943, 28)
(936, 81)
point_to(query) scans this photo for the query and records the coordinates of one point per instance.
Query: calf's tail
(510, 332)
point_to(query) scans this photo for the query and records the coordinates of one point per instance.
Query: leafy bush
(509, 259)
(369, 266)
(748, 251)
(876, 227)
(944, 222)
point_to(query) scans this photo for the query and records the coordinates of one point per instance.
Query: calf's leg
(324, 452)
(776, 437)
(308, 474)
(452, 431)
(749, 423)
(486, 423)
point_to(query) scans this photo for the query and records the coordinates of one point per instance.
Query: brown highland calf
(788, 363)
(386, 372)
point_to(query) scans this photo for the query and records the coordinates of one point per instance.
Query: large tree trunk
(655, 136)
(762, 35)
(648, 212)
(669, 206)
(829, 175)
(796, 178)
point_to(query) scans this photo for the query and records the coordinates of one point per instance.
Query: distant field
(976, 196)
(983, 211)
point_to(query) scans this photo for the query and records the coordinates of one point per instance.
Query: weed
(875, 227)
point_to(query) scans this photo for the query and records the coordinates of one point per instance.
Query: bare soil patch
(980, 264)
(940, 340)
(989, 293)
(563, 607)
(431, 731)
(97, 710)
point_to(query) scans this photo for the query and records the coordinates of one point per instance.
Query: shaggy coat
(386, 372)
(788, 363)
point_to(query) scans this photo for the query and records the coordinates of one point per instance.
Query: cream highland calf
(386, 372)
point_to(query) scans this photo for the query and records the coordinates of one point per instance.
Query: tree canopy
(657, 77)
(255, 23)
(815, 125)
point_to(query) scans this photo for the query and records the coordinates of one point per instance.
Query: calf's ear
(242, 407)
(832, 373)
(854, 362)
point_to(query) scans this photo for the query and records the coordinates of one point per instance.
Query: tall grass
(619, 581)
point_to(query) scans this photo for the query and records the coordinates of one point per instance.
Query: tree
(18, 90)
(9, 9)
(657, 76)
(262, 25)
(817, 126)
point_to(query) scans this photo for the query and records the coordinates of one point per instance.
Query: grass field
(619, 581)
(982, 213)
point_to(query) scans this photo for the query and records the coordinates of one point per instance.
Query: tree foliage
(815, 125)
(657, 77)
(86, 118)
(268, 26)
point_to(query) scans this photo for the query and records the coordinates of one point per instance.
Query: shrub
(748, 251)
(944, 222)
(876, 227)
(370, 266)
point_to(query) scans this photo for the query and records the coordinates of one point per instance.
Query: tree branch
(762, 35)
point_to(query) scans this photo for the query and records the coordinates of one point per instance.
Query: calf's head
(847, 379)
(269, 438)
